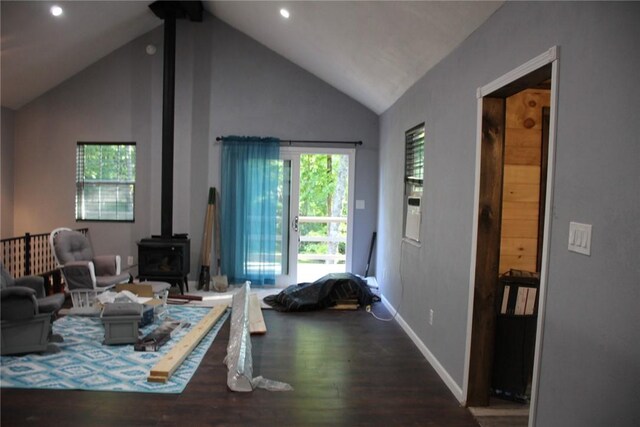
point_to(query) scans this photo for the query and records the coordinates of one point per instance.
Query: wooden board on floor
(174, 358)
(344, 306)
(186, 297)
(347, 304)
(256, 320)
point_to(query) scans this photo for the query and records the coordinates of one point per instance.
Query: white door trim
(351, 154)
(552, 57)
(284, 280)
(538, 62)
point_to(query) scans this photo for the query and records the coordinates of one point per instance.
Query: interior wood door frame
(544, 159)
(488, 251)
(551, 56)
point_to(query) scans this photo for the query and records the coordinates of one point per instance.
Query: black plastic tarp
(322, 293)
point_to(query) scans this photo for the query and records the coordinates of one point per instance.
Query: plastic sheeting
(324, 292)
(239, 360)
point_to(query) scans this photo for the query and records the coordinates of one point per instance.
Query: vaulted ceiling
(371, 50)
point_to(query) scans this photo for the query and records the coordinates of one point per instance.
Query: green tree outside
(323, 193)
(106, 181)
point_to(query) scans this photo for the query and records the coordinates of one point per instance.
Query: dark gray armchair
(85, 274)
(26, 314)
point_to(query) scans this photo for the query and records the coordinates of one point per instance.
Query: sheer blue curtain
(248, 208)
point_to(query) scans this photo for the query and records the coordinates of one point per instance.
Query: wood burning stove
(165, 259)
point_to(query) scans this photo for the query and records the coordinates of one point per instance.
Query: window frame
(414, 158)
(80, 182)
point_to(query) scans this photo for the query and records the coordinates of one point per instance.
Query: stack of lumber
(174, 358)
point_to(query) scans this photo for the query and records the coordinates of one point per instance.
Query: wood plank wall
(521, 182)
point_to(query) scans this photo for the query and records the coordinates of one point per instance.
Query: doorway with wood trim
(506, 307)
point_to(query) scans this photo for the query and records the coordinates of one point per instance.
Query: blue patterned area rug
(85, 364)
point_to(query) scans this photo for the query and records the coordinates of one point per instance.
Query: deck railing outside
(332, 258)
(31, 255)
(312, 266)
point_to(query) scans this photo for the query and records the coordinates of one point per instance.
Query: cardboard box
(141, 290)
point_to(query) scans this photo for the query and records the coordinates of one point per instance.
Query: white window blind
(413, 179)
(105, 181)
(414, 156)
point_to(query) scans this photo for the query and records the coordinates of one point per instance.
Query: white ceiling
(372, 51)
(38, 51)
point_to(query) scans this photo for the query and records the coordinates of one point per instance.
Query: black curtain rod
(307, 141)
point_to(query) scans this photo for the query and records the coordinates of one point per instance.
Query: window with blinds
(414, 159)
(105, 181)
(413, 179)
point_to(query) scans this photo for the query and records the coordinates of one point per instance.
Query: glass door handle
(294, 224)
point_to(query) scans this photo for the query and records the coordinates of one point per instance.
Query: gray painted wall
(591, 352)
(226, 83)
(112, 100)
(6, 172)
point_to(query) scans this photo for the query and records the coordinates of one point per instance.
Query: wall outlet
(431, 317)
(130, 260)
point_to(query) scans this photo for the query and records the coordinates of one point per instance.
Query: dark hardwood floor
(347, 369)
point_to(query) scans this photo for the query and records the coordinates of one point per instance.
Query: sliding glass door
(315, 211)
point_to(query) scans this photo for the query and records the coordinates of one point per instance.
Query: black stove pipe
(170, 11)
(168, 108)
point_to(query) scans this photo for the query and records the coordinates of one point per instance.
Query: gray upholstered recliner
(26, 314)
(85, 275)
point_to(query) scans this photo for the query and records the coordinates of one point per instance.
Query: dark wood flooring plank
(347, 369)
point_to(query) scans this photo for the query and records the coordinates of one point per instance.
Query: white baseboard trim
(441, 371)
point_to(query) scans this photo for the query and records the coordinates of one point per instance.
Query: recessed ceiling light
(285, 13)
(56, 10)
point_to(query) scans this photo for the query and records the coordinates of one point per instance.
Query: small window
(105, 181)
(413, 179)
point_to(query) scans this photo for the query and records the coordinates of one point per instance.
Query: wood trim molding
(539, 61)
(488, 251)
(474, 247)
(544, 268)
(551, 56)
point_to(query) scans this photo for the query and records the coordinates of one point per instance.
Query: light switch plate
(359, 204)
(580, 238)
